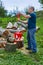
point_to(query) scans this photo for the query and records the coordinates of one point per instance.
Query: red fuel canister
(18, 35)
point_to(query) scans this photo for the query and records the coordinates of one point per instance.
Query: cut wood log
(20, 44)
(23, 24)
(10, 25)
(5, 34)
(2, 42)
(37, 28)
(10, 39)
(10, 47)
(8, 36)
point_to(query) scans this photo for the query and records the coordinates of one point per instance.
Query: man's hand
(18, 19)
(26, 16)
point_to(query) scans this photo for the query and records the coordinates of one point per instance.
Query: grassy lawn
(18, 58)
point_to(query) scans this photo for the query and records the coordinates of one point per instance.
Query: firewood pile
(7, 38)
(19, 26)
(7, 35)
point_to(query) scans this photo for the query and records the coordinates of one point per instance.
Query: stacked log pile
(6, 35)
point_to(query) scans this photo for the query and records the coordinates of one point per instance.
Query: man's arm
(26, 16)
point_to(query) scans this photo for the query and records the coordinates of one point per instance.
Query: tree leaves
(41, 1)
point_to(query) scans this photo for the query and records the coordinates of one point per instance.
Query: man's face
(30, 10)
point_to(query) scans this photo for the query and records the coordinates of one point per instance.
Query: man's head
(31, 9)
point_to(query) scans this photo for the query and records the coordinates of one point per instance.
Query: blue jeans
(31, 40)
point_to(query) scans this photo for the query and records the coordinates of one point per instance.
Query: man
(31, 29)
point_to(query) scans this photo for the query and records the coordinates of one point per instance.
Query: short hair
(32, 8)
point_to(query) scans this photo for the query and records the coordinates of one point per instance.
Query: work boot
(28, 48)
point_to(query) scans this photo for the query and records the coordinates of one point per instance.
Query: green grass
(18, 58)
(5, 21)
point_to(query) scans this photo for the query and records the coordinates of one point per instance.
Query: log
(19, 44)
(2, 42)
(23, 24)
(10, 47)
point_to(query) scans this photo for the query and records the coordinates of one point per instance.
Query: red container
(18, 15)
(18, 35)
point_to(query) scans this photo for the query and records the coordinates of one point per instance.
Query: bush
(5, 21)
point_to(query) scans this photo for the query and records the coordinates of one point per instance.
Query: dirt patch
(24, 51)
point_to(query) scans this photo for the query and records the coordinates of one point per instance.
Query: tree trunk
(10, 47)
